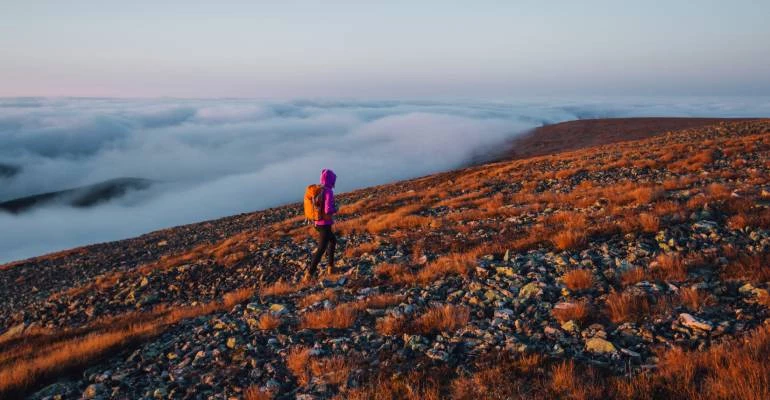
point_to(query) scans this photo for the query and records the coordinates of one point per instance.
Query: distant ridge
(83, 196)
(8, 170)
(583, 133)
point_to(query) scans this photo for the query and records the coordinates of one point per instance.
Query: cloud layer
(219, 157)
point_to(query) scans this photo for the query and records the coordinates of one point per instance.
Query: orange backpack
(314, 202)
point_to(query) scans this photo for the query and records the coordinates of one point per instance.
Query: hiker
(321, 211)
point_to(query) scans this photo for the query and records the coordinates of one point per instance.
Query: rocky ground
(608, 256)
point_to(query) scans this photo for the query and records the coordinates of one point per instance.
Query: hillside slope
(583, 133)
(624, 270)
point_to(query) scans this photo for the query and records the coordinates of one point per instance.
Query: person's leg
(330, 251)
(323, 242)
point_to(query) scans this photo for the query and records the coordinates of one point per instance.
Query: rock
(694, 323)
(506, 271)
(570, 326)
(530, 290)
(278, 309)
(504, 313)
(94, 390)
(438, 355)
(600, 346)
(630, 353)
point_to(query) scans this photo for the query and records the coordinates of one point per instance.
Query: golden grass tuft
(445, 318)
(297, 362)
(312, 298)
(650, 223)
(577, 311)
(569, 240)
(669, 267)
(268, 321)
(692, 299)
(627, 307)
(391, 325)
(342, 316)
(334, 370)
(632, 276)
(282, 288)
(255, 393)
(578, 279)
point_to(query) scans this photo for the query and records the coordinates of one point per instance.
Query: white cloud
(220, 157)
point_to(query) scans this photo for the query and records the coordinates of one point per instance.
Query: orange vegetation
(268, 321)
(340, 317)
(624, 307)
(255, 393)
(577, 311)
(47, 355)
(569, 240)
(444, 318)
(578, 279)
(310, 299)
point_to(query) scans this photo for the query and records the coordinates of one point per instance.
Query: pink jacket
(327, 180)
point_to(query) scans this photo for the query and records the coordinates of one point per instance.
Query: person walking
(327, 240)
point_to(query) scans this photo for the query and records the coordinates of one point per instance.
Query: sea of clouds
(217, 157)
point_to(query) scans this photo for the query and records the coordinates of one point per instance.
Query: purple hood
(328, 178)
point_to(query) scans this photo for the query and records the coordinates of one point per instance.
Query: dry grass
(753, 268)
(578, 279)
(342, 316)
(632, 276)
(255, 393)
(57, 352)
(446, 318)
(281, 288)
(737, 222)
(577, 311)
(508, 378)
(268, 322)
(413, 386)
(718, 191)
(297, 362)
(736, 369)
(333, 370)
(391, 325)
(649, 222)
(646, 195)
(693, 299)
(452, 264)
(361, 249)
(312, 298)
(569, 240)
(567, 382)
(626, 307)
(669, 267)
(732, 370)
(390, 271)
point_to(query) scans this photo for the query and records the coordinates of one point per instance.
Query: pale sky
(363, 49)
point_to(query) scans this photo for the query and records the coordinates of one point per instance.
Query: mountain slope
(566, 271)
(578, 134)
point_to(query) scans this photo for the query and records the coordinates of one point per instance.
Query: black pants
(327, 244)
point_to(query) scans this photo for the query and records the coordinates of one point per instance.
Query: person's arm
(329, 207)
